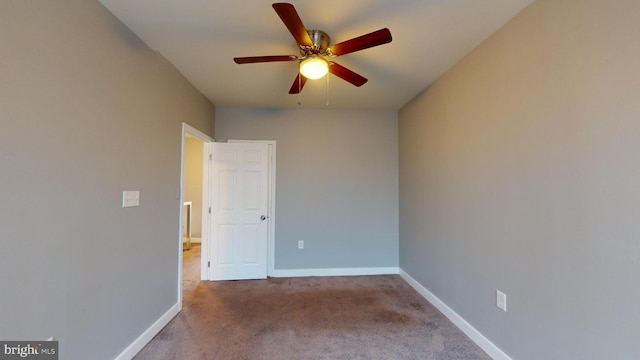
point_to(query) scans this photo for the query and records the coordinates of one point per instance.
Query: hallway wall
(194, 149)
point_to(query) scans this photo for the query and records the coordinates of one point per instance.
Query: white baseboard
(148, 334)
(334, 272)
(490, 348)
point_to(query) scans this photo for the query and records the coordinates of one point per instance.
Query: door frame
(192, 132)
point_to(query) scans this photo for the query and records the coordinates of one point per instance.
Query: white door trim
(193, 132)
(271, 221)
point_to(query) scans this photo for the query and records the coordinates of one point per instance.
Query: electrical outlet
(501, 300)
(300, 244)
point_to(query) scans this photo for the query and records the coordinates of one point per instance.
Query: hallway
(190, 271)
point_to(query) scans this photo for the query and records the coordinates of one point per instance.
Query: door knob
(263, 217)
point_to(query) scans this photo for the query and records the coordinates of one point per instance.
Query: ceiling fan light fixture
(314, 45)
(314, 67)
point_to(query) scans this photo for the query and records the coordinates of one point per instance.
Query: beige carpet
(366, 317)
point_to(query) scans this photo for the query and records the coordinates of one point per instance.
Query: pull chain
(299, 89)
(326, 94)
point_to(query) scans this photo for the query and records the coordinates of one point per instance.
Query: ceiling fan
(314, 47)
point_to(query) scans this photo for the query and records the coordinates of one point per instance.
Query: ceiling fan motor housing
(320, 41)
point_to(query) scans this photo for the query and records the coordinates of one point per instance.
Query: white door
(239, 196)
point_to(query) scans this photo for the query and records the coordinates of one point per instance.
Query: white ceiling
(201, 38)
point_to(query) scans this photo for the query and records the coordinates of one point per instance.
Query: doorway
(188, 133)
(191, 195)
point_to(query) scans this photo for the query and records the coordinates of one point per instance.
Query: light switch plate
(130, 198)
(501, 300)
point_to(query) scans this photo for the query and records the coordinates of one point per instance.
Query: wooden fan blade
(346, 74)
(298, 84)
(261, 59)
(290, 18)
(375, 38)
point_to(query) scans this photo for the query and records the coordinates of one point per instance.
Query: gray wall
(520, 171)
(87, 111)
(337, 183)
